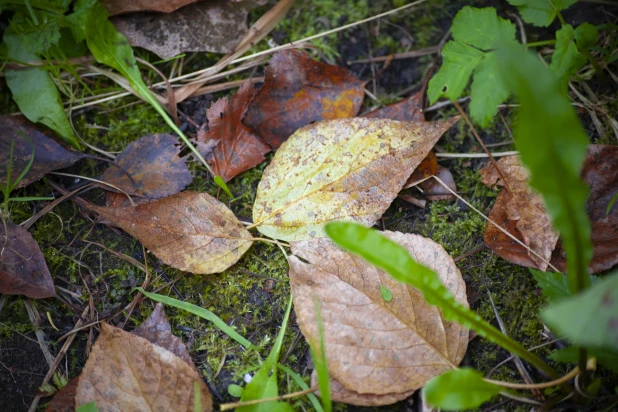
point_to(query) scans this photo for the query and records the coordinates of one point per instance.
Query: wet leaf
(374, 346)
(126, 372)
(236, 147)
(48, 155)
(154, 164)
(459, 389)
(525, 212)
(190, 231)
(298, 91)
(23, 270)
(164, 6)
(408, 110)
(213, 26)
(348, 169)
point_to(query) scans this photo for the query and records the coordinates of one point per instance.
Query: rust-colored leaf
(154, 164)
(64, 399)
(164, 6)
(299, 90)
(23, 270)
(236, 147)
(125, 372)
(428, 167)
(374, 346)
(408, 110)
(189, 231)
(48, 155)
(524, 213)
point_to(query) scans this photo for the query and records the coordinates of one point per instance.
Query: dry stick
(26, 224)
(475, 155)
(543, 385)
(228, 406)
(138, 297)
(396, 56)
(40, 335)
(92, 180)
(470, 252)
(171, 101)
(478, 138)
(225, 86)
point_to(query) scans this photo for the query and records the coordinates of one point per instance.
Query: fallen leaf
(48, 155)
(434, 189)
(189, 231)
(205, 26)
(375, 347)
(525, 213)
(408, 110)
(340, 394)
(428, 167)
(64, 399)
(127, 373)
(23, 270)
(298, 91)
(114, 199)
(154, 164)
(164, 6)
(237, 148)
(346, 169)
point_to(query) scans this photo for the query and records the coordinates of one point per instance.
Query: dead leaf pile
(524, 216)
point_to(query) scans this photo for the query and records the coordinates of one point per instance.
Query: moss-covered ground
(251, 296)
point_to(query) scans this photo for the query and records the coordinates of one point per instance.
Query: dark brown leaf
(237, 148)
(48, 155)
(299, 90)
(408, 110)
(64, 399)
(23, 270)
(164, 6)
(154, 164)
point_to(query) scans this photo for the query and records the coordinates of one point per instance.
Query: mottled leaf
(190, 231)
(348, 169)
(164, 6)
(23, 270)
(374, 346)
(407, 110)
(236, 147)
(48, 155)
(154, 164)
(299, 90)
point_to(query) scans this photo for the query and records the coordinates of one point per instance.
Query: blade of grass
(300, 382)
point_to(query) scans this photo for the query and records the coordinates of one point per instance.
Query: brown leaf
(428, 167)
(408, 110)
(114, 199)
(125, 372)
(164, 6)
(48, 155)
(64, 399)
(340, 394)
(299, 90)
(205, 26)
(190, 231)
(527, 213)
(154, 164)
(23, 270)
(373, 346)
(434, 189)
(237, 148)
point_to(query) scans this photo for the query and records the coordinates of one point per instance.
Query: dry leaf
(23, 270)
(164, 6)
(434, 189)
(48, 155)
(237, 148)
(127, 373)
(205, 26)
(375, 347)
(340, 394)
(408, 110)
(347, 169)
(524, 213)
(190, 231)
(154, 164)
(64, 399)
(299, 90)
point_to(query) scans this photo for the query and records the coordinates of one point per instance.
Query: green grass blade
(29, 198)
(318, 355)
(300, 382)
(395, 260)
(201, 312)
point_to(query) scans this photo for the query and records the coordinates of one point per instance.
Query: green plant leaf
(386, 293)
(589, 319)
(394, 259)
(318, 354)
(87, 407)
(264, 383)
(300, 382)
(201, 312)
(37, 38)
(481, 28)
(235, 390)
(555, 285)
(611, 204)
(540, 13)
(606, 358)
(566, 60)
(35, 92)
(586, 36)
(552, 146)
(487, 90)
(459, 389)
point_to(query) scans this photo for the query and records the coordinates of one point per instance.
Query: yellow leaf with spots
(344, 169)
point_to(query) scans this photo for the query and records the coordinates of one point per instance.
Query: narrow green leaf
(566, 60)
(386, 293)
(395, 260)
(221, 183)
(481, 28)
(235, 390)
(605, 357)
(589, 319)
(555, 285)
(487, 91)
(611, 204)
(459, 389)
(540, 13)
(552, 146)
(87, 407)
(319, 361)
(201, 312)
(300, 382)
(197, 397)
(29, 198)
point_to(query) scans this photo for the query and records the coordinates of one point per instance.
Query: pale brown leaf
(340, 394)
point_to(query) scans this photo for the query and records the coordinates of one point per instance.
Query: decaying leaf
(236, 148)
(214, 26)
(154, 164)
(525, 211)
(340, 394)
(190, 231)
(299, 90)
(164, 6)
(375, 347)
(125, 372)
(346, 169)
(64, 399)
(408, 110)
(48, 155)
(23, 270)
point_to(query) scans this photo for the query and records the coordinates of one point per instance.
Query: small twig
(228, 406)
(470, 252)
(397, 56)
(475, 155)
(40, 335)
(26, 224)
(542, 385)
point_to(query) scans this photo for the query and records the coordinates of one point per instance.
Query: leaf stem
(541, 385)
(540, 43)
(228, 406)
